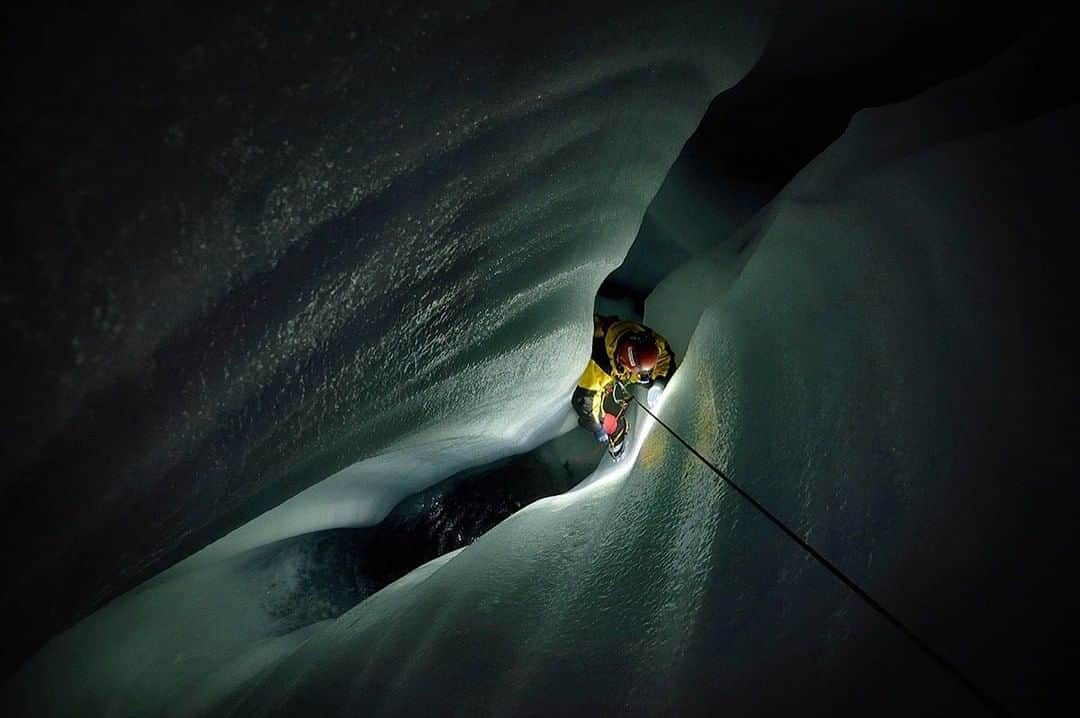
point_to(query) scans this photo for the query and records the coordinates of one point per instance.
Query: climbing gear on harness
(619, 387)
(616, 425)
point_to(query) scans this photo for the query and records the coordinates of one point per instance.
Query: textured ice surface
(856, 365)
(351, 236)
(841, 378)
(368, 281)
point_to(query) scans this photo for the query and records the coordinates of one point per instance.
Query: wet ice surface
(829, 377)
(345, 299)
(837, 366)
(305, 266)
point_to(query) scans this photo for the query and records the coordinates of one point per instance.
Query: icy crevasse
(867, 365)
(867, 374)
(347, 233)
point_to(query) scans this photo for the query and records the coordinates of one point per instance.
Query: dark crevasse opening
(317, 576)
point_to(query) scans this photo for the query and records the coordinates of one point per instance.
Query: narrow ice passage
(875, 353)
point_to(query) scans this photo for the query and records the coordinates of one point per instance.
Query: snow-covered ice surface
(855, 366)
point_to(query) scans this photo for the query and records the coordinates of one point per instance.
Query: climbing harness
(613, 449)
(989, 703)
(617, 384)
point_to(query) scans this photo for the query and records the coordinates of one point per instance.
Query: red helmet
(637, 353)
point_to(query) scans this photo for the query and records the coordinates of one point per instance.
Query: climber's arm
(584, 403)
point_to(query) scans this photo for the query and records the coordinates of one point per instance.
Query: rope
(989, 703)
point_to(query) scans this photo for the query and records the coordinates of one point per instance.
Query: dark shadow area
(758, 135)
(321, 575)
(455, 512)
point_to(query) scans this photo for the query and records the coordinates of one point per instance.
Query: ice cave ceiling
(275, 269)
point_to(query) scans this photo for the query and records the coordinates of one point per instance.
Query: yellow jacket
(601, 371)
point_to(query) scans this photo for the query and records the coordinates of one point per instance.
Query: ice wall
(872, 374)
(879, 363)
(259, 246)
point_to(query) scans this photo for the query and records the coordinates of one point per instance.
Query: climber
(623, 353)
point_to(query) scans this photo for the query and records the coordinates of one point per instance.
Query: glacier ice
(837, 378)
(859, 356)
(364, 283)
(327, 266)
